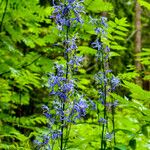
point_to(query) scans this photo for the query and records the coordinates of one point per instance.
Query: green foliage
(98, 6)
(22, 66)
(117, 31)
(145, 60)
(84, 136)
(27, 55)
(144, 3)
(137, 92)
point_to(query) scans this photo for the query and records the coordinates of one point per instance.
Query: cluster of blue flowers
(105, 80)
(68, 105)
(68, 13)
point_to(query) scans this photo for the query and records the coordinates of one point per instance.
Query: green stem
(63, 103)
(113, 122)
(103, 143)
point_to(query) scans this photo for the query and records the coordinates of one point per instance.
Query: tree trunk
(138, 43)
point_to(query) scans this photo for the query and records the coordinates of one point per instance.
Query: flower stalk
(68, 105)
(106, 82)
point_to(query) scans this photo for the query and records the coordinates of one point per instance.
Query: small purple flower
(71, 1)
(108, 71)
(109, 136)
(103, 21)
(37, 142)
(114, 82)
(58, 8)
(107, 49)
(102, 120)
(66, 10)
(67, 23)
(97, 44)
(81, 107)
(92, 104)
(97, 30)
(76, 61)
(78, 19)
(62, 95)
(47, 115)
(45, 108)
(115, 103)
(67, 87)
(46, 139)
(73, 46)
(55, 81)
(78, 8)
(56, 135)
(102, 97)
(100, 78)
(60, 111)
(59, 70)
(52, 92)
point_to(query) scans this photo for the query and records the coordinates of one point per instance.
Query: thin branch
(131, 35)
(23, 66)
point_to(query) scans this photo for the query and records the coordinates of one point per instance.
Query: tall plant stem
(67, 135)
(113, 122)
(62, 128)
(103, 143)
(98, 111)
(63, 103)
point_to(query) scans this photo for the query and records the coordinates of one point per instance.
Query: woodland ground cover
(74, 75)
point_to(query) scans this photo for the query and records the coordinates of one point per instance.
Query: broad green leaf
(98, 6)
(86, 50)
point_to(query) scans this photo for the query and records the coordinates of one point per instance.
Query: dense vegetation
(88, 107)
